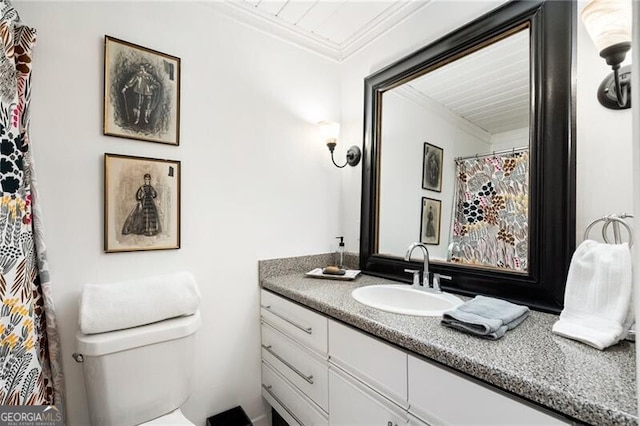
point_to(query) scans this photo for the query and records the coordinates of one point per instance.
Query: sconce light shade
(330, 131)
(608, 23)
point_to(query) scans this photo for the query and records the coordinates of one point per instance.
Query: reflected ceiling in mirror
(454, 168)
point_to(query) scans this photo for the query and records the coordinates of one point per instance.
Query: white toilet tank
(135, 375)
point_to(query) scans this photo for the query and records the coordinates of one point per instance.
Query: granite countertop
(592, 386)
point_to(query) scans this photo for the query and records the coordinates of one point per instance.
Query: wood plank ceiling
(489, 88)
(335, 29)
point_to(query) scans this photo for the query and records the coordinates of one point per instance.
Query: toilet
(140, 375)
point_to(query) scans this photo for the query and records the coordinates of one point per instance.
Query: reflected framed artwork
(430, 221)
(141, 203)
(141, 93)
(432, 167)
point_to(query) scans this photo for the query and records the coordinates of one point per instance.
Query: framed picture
(141, 93)
(141, 203)
(432, 167)
(430, 221)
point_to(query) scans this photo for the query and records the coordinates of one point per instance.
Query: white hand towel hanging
(597, 303)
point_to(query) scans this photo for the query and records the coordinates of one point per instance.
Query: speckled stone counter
(592, 386)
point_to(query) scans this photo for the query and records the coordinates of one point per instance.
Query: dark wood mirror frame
(552, 154)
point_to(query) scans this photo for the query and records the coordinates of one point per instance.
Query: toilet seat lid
(173, 418)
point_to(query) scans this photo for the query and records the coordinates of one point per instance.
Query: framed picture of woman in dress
(141, 203)
(430, 221)
(432, 167)
(141, 93)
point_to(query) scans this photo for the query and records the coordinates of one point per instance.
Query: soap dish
(349, 274)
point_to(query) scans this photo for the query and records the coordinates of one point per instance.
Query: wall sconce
(329, 132)
(608, 22)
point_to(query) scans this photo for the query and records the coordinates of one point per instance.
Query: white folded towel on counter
(597, 301)
(126, 304)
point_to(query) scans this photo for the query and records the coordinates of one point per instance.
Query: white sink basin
(404, 299)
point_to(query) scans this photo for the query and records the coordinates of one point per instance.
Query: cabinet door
(441, 397)
(351, 404)
(379, 364)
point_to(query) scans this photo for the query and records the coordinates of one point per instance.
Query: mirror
(471, 178)
(468, 147)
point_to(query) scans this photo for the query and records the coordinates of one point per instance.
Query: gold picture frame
(141, 93)
(141, 203)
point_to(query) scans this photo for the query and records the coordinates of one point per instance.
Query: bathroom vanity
(327, 359)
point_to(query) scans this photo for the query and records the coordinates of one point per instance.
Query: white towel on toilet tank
(126, 304)
(597, 302)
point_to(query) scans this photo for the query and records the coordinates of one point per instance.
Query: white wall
(257, 182)
(510, 139)
(604, 143)
(407, 126)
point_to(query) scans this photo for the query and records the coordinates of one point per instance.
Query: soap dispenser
(341, 252)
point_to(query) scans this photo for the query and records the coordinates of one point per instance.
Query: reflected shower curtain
(29, 346)
(491, 221)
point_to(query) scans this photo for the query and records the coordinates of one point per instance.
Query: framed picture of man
(430, 221)
(432, 167)
(141, 93)
(141, 203)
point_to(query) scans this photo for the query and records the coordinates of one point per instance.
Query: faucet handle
(416, 275)
(436, 281)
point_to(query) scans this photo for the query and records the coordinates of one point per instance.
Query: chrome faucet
(425, 274)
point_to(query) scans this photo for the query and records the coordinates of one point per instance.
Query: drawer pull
(307, 330)
(268, 389)
(309, 379)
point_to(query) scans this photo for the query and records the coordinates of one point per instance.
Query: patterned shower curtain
(30, 372)
(491, 221)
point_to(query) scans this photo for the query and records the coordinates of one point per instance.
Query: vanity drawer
(374, 362)
(354, 404)
(304, 369)
(289, 402)
(442, 397)
(297, 322)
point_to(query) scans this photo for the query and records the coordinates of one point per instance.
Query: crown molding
(245, 13)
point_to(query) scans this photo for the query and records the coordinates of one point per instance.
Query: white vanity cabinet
(439, 396)
(294, 361)
(318, 371)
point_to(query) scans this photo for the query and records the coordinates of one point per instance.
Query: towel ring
(616, 220)
(586, 231)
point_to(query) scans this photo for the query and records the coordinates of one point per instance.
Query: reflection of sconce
(609, 25)
(330, 133)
